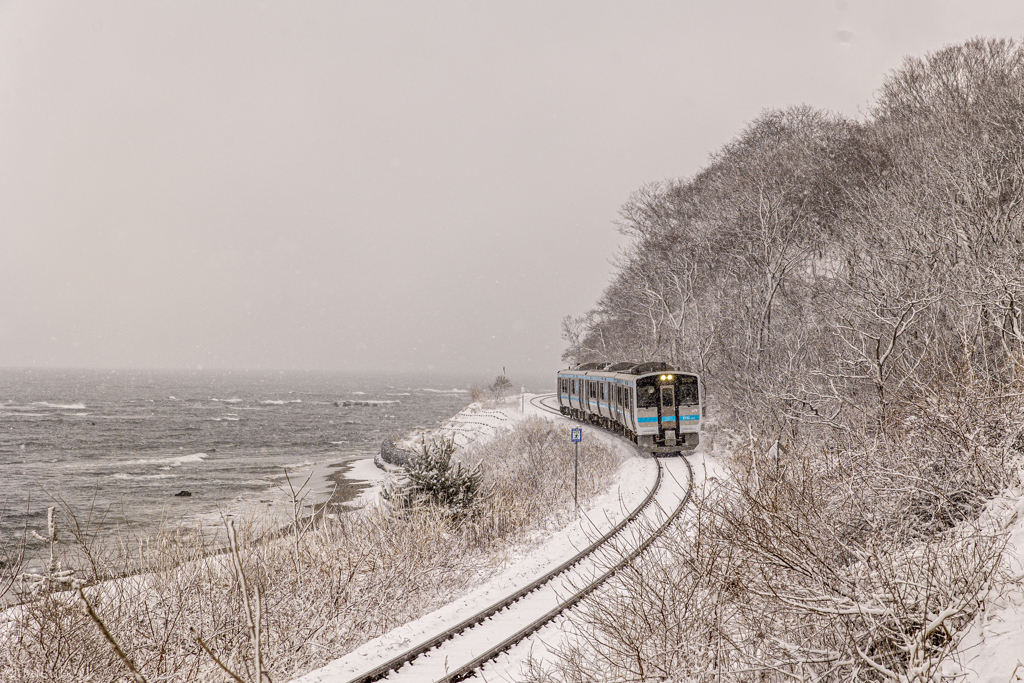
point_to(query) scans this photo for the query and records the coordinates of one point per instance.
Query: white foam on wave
(404, 393)
(272, 403)
(175, 461)
(62, 406)
(125, 475)
(447, 391)
(359, 393)
(226, 418)
(227, 400)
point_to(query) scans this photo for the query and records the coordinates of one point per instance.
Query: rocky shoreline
(391, 457)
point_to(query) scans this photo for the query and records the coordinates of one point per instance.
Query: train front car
(668, 411)
(655, 405)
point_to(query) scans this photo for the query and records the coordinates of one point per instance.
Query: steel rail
(468, 669)
(397, 662)
(538, 402)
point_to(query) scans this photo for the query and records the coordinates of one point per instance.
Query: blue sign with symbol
(577, 434)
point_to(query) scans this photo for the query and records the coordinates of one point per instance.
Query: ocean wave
(173, 461)
(447, 391)
(272, 403)
(402, 394)
(358, 393)
(227, 400)
(125, 475)
(62, 406)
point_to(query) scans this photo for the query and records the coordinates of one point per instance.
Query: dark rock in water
(335, 404)
(393, 455)
(183, 494)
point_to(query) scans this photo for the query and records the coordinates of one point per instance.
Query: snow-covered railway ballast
(653, 404)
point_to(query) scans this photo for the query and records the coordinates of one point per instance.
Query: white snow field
(992, 650)
(633, 481)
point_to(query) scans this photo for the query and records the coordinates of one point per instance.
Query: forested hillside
(853, 294)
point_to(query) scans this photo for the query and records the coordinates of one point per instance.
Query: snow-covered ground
(992, 650)
(633, 480)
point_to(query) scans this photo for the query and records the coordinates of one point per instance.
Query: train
(653, 404)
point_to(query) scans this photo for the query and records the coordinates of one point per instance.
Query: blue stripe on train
(670, 418)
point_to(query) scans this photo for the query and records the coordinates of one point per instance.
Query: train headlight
(670, 376)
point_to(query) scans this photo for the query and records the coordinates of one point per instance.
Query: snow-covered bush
(528, 472)
(433, 479)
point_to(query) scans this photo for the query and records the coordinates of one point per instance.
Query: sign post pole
(577, 436)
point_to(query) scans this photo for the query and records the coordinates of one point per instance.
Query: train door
(668, 413)
(628, 411)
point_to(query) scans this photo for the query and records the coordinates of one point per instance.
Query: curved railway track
(546, 402)
(461, 651)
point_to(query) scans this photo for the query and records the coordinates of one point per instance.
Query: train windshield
(686, 390)
(646, 394)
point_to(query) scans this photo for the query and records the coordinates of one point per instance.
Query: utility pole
(577, 436)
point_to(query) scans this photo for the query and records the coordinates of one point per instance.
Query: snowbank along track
(466, 661)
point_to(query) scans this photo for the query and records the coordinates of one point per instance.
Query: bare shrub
(810, 562)
(528, 473)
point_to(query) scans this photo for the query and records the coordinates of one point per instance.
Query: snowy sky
(371, 185)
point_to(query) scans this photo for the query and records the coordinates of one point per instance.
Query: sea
(116, 446)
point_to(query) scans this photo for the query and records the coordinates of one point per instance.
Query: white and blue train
(653, 404)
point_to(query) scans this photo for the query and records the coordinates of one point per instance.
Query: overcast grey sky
(370, 185)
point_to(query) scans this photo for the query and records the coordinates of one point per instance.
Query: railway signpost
(577, 436)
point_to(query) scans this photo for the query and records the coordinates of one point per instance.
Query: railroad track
(546, 402)
(461, 651)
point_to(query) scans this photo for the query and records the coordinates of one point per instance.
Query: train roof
(627, 368)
